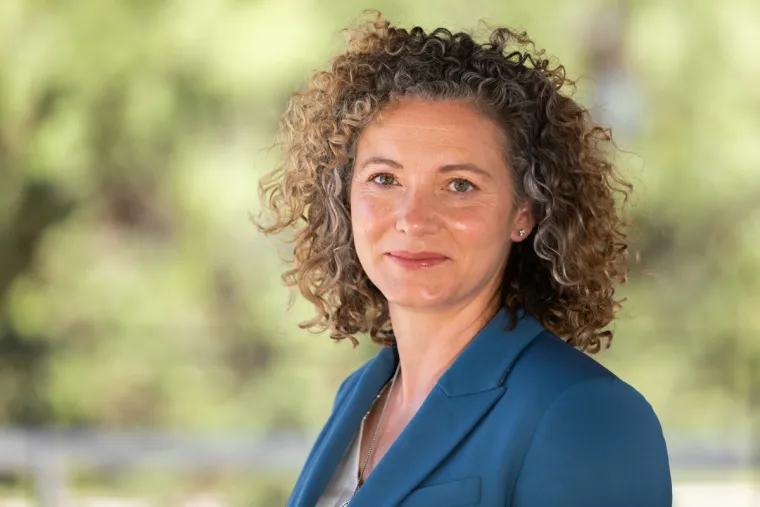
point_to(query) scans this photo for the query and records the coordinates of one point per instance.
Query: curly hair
(564, 274)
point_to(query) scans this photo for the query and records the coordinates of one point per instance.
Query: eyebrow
(448, 168)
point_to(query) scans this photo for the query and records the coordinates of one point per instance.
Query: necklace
(374, 435)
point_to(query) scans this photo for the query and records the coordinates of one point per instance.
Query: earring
(522, 232)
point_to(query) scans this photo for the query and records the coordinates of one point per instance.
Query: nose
(416, 215)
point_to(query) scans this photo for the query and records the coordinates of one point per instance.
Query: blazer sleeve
(599, 444)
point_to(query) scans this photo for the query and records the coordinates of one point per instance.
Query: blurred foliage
(134, 292)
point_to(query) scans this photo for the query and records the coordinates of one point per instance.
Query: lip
(416, 260)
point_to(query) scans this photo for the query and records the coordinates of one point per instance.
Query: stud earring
(522, 232)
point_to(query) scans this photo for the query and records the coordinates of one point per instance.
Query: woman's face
(432, 210)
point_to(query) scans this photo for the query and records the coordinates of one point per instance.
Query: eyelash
(473, 186)
(377, 175)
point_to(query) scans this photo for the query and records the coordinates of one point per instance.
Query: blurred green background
(135, 295)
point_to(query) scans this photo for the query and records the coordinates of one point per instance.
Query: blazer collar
(343, 425)
(486, 361)
(483, 364)
(464, 393)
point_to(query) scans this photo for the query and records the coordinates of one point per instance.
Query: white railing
(47, 454)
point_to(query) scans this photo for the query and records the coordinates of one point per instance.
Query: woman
(452, 203)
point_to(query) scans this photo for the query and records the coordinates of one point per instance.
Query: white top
(341, 487)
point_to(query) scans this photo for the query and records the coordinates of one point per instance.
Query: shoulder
(599, 442)
(581, 391)
(576, 379)
(568, 365)
(605, 409)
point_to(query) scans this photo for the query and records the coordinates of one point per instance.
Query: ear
(523, 221)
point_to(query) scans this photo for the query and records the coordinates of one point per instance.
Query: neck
(430, 340)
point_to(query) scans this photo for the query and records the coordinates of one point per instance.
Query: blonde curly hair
(564, 274)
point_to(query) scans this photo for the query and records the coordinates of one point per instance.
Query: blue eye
(461, 186)
(384, 179)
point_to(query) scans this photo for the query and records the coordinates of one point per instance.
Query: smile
(417, 260)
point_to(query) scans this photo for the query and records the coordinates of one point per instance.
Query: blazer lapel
(344, 424)
(463, 395)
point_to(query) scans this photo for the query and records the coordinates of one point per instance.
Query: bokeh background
(146, 356)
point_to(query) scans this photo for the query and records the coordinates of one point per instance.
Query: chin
(421, 299)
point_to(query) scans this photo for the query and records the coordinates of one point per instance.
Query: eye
(461, 186)
(384, 179)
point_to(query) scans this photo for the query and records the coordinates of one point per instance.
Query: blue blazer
(520, 419)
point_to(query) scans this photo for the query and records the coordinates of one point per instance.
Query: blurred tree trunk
(40, 207)
(23, 358)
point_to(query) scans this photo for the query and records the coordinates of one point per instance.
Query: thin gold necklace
(374, 435)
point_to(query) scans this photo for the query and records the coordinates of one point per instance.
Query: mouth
(416, 260)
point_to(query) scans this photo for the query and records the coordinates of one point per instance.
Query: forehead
(452, 125)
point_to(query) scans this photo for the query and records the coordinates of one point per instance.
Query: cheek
(369, 215)
(483, 238)
(478, 226)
